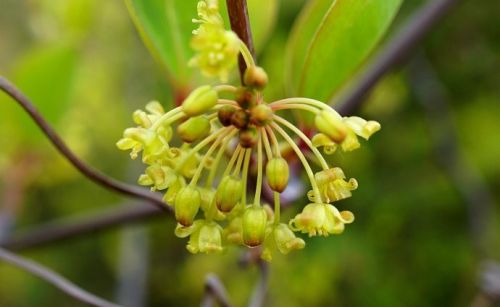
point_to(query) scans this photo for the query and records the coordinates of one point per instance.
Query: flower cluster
(205, 176)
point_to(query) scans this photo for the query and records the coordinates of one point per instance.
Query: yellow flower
(282, 238)
(335, 131)
(333, 186)
(216, 49)
(321, 219)
(204, 236)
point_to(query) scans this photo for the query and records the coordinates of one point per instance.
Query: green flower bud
(248, 137)
(200, 101)
(254, 226)
(194, 129)
(331, 124)
(228, 193)
(240, 119)
(255, 77)
(261, 114)
(187, 204)
(277, 173)
(224, 114)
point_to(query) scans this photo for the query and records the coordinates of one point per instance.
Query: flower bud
(277, 173)
(224, 114)
(228, 193)
(239, 119)
(200, 101)
(248, 137)
(187, 204)
(331, 124)
(254, 226)
(255, 77)
(244, 98)
(194, 129)
(261, 115)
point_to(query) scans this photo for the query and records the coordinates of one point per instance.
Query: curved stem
(301, 100)
(304, 138)
(247, 55)
(54, 279)
(303, 159)
(239, 162)
(235, 156)
(166, 117)
(225, 88)
(230, 102)
(81, 166)
(295, 106)
(248, 153)
(276, 145)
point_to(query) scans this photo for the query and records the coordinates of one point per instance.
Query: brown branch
(72, 227)
(55, 279)
(397, 49)
(215, 292)
(91, 173)
(240, 24)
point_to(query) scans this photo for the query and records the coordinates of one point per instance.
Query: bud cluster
(200, 154)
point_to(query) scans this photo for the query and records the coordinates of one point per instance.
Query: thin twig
(214, 292)
(240, 24)
(397, 49)
(55, 279)
(84, 168)
(72, 227)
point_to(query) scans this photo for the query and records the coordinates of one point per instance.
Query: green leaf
(331, 39)
(165, 26)
(45, 74)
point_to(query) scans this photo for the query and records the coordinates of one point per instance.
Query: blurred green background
(86, 69)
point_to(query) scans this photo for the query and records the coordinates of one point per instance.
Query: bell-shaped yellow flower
(321, 219)
(282, 238)
(204, 236)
